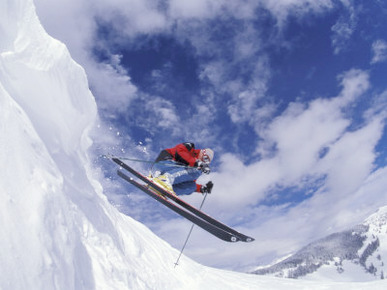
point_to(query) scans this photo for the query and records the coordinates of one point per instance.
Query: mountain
(357, 254)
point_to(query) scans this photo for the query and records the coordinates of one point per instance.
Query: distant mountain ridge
(357, 254)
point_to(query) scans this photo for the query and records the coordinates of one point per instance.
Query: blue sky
(291, 95)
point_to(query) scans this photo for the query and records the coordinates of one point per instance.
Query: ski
(182, 203)
(212, 229)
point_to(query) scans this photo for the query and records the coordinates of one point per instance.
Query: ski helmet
(208, 154)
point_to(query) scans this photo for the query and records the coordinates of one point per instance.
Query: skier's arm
(183, 152)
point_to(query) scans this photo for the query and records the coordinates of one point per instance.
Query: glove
(204, 167)
(207, 188)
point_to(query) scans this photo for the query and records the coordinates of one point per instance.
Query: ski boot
(162, 180)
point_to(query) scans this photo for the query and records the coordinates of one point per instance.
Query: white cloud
(378, 108)
(131, 17)
(244, 9)
(112, 85)
(344, 28)
(301, 133)
(379, 51)
(161, 114)
(205, 9)
(282, 9)
(193, 9)
(244, 105)
(354, 82)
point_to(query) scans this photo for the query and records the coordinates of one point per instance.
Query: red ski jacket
(184, 153)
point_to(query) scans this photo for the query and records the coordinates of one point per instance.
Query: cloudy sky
(290, 94)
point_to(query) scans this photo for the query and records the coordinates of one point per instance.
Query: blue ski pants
(183, 178)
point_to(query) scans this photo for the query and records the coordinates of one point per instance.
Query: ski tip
(118, 161)
(248, 240)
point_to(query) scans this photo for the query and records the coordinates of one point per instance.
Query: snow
(330, 273)
(58, 229)
(377, 233)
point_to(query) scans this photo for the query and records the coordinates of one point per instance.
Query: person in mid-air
(179, 167)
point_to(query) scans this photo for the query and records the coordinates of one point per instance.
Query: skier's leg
(180, 175)
(184, 188)
(176, 173)
(163, 167)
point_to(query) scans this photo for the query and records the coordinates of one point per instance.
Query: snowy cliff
(358, 254)
(58, 231)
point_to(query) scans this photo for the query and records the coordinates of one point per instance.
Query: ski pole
(189, 234)
(109, 156)
(139, 160)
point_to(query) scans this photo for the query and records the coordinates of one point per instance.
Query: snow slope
(358, 254)
(58, 231)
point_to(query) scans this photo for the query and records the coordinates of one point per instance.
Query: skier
(177, 168)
